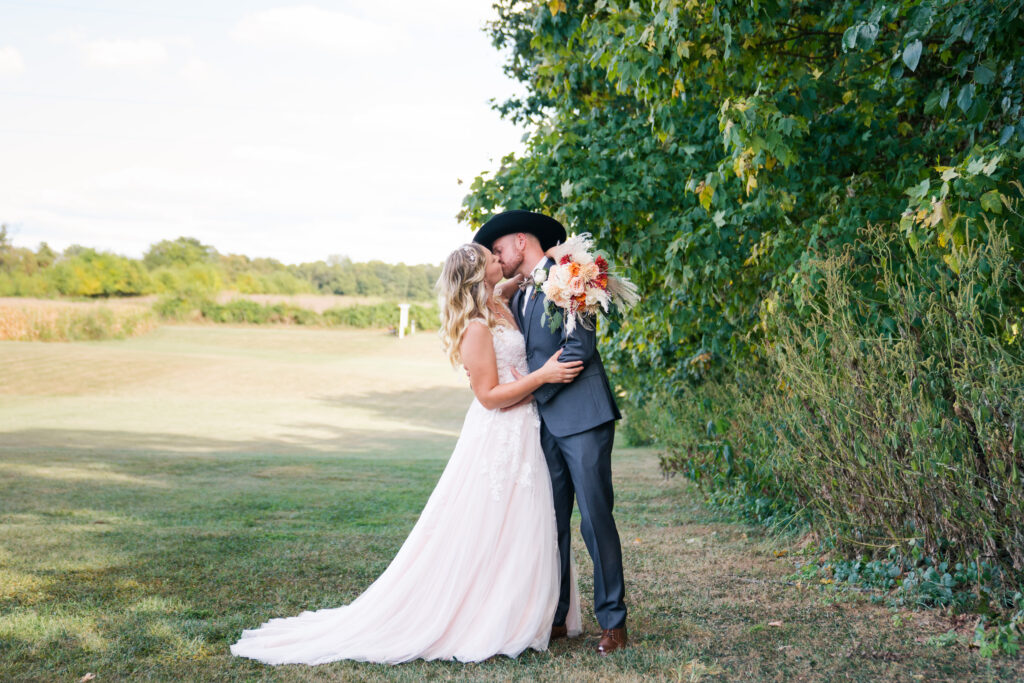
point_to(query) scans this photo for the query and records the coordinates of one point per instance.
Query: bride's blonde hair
(462, 296)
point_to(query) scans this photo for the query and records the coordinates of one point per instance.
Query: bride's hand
(507, 288)
(554, 372)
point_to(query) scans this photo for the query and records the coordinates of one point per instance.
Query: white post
(403, 319)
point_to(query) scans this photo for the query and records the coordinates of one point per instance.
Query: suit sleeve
(581, 345)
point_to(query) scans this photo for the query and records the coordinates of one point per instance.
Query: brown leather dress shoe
(559, 632)
(612, 639)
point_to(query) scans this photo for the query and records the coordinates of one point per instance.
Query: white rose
(540, 275)
(560, 275)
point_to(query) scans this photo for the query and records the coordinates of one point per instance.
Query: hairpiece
(470, 253)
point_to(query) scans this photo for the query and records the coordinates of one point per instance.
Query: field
(26, 319)
(66, 319)
(161, 493)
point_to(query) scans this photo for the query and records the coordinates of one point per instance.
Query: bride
(478, 575)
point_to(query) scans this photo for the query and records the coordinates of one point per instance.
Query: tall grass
(70, 321)
(891, 418)
(911, 429)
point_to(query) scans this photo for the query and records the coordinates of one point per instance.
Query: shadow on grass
(440, 408)
(122, 576)
(430, 421)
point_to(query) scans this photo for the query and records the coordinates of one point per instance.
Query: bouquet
(580, 285)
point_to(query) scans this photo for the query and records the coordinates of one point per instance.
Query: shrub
(183, 307)
(382, 315)
(909, 424)
(178, 307)
(893, 416)
(718, 434)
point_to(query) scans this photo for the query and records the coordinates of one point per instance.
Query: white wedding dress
(478, 575)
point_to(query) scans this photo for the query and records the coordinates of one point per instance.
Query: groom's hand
(507, 288)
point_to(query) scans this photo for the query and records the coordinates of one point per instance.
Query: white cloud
(265, 135)
(11, 62)
(311, 26)
(125, 53)
(195, 70)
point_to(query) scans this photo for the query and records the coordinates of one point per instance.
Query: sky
(292, 131)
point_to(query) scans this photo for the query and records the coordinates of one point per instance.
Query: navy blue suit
(577, 431)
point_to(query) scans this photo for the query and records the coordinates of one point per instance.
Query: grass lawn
(160, 494)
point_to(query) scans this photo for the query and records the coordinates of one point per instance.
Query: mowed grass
(160, 494)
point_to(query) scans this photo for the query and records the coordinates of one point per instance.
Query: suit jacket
(587, 401)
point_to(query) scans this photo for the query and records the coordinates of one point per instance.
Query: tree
(821, 202)
(716, 149)
(87, 272)
(183, 251)
(45, 256)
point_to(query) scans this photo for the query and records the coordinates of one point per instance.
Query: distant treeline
(187, 266)
(379, 315)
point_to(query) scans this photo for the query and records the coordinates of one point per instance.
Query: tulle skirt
(478, 575)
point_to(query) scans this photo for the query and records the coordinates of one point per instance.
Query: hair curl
(462, 296)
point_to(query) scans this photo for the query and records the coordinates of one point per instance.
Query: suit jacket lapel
(516, 304)
(528, 315)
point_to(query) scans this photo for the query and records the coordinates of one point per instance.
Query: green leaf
(920, 190)
(991, 202)
(866, 36)
(944, 98)
(953, 262)
(975, 166)
(850, 37)
(706, 195)
(965, 98)
(912, 55)
(983, 75)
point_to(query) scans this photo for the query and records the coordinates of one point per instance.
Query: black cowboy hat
(545, 228)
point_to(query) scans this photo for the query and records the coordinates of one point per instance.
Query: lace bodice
(510, 352)
(506, 463)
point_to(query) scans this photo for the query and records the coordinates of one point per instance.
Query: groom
(577, 419)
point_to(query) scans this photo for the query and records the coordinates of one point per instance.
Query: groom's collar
(540, 264)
